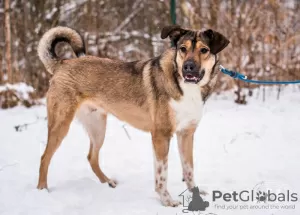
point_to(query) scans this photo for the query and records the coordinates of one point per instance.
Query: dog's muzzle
(191, 73)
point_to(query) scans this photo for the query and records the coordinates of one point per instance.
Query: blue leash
(237, 75)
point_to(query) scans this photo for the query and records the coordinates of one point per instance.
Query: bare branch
(137, 7)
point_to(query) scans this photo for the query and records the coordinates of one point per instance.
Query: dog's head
(196, 52)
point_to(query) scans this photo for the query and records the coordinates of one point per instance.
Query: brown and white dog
(163, 95)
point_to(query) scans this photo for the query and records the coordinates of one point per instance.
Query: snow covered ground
(237, 148)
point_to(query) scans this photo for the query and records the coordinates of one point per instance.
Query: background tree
(264, 35)
(8, 41)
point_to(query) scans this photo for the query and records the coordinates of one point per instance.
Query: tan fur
(139, 93)
(185, 141)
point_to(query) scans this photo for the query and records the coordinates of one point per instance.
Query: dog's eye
(183, 49)
(203, 50)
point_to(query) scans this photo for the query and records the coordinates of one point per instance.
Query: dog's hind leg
(60, 115)
(94, 122)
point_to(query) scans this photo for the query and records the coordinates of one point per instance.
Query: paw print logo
(261, 197)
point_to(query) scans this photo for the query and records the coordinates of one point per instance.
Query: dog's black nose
(189, 67)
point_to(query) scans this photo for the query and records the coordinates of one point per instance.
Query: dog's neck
(167, 62)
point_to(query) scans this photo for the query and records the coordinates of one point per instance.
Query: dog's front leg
(185, 139)
(161, 143)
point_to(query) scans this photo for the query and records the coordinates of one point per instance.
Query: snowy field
(256, 146)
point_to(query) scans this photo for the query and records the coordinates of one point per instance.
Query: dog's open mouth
(193, 78)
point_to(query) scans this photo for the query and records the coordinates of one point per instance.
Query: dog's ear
(174, 32)
(216, 41)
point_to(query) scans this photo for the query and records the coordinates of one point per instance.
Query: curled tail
(46, 47)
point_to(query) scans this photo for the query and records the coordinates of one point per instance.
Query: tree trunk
(1, 71)
(8, 42)
(214, 10)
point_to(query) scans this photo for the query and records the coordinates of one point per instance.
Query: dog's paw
(42, 186)
(171, 203)
(112, 183)
(203, 192)
(167, 200)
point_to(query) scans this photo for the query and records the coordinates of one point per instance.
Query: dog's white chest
(189, 109)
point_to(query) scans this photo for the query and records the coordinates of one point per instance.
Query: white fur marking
(91, 119)
(188, 175)
(189, 109)
(161, 175)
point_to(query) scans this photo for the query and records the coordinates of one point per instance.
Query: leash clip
(221, 67)
(232, 74)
